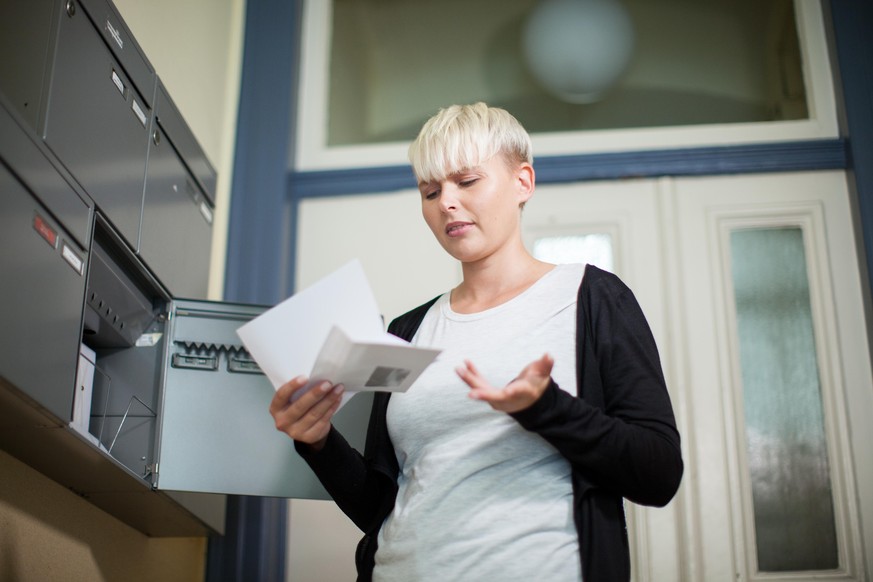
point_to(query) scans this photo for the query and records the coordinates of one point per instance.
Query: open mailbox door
(216, 432)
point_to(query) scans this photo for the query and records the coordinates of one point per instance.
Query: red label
(45, 231)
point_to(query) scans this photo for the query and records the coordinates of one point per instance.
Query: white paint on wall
(404, 264)
(321, 543)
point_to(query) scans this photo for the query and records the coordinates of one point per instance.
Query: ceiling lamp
(577, 49)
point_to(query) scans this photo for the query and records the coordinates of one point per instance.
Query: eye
(431, 195)
(467, 182)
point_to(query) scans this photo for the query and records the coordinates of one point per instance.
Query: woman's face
(475, 213)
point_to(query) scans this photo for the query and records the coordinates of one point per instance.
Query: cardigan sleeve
(620, 433)
(361, 489)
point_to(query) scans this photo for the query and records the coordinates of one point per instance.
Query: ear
(525, 182)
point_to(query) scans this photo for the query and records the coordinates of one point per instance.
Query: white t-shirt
(481, 498)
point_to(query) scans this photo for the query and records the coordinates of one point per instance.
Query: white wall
(388, 234)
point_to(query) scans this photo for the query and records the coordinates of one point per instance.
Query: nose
(448, 198)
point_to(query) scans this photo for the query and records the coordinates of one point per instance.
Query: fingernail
(339, 389)
(324, 387)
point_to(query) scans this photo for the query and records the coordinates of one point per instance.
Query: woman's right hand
(306, 417)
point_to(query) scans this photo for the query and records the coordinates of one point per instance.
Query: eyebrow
(476, 168)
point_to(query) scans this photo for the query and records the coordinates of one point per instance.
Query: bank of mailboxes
(74, 73)
(107, 208)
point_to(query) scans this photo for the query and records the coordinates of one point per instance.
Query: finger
(511, 399)
(297, 420)
(545, 364)
(313, 396)
(322, 413)
(319, 428)
(292, 408)
(472, 367)
(283, 395)
(490, 395)
(541, 367)
(471, 376)
(472, 380)
(292, 385)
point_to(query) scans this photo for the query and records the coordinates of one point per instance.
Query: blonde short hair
(464, 136)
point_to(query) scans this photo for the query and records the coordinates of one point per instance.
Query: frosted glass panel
(785, 435)
(595, 249)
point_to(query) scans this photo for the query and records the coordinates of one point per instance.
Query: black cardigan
(619, 434)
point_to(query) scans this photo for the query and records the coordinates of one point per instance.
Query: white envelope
(388, 365)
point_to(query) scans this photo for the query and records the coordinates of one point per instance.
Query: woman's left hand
(515, 396)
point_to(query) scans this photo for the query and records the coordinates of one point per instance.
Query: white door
(751, 286)
(777, 391)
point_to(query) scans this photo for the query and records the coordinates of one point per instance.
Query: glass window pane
(785, 434)
(393, 63)
(595, 249)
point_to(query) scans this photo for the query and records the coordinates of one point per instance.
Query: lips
(458, 228)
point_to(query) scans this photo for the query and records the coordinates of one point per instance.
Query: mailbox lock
(71, 8)
(156, 137)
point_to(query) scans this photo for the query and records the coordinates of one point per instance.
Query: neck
(496, 279)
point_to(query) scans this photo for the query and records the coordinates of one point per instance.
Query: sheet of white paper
(285, 340)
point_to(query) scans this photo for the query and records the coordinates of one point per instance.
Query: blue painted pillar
(258, 262)
(851, 23)
(261, 213)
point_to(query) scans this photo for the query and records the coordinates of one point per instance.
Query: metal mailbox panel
(98, 123)
(176, 223)
(217, 434)
(24, 152)
(42, 289)
(25, 30)
(189, 149)
(119, 39)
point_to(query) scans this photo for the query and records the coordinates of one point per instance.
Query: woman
(509, 458)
